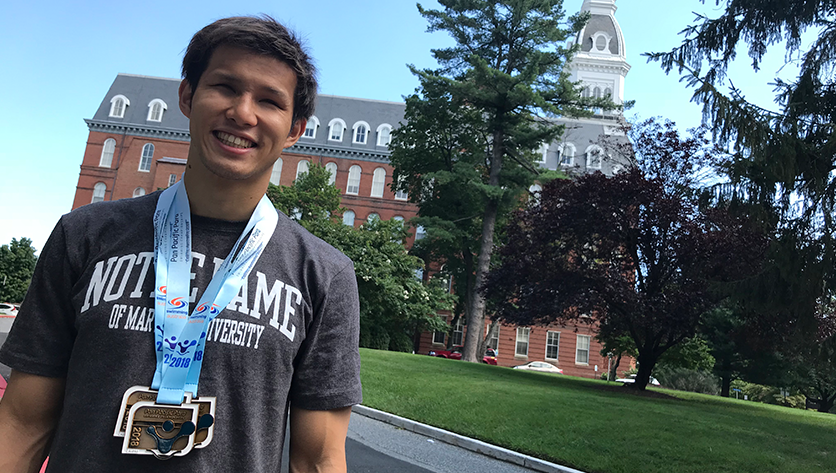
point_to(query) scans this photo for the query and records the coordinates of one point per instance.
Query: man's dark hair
(261, 35)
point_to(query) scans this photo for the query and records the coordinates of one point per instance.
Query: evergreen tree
(465, 153)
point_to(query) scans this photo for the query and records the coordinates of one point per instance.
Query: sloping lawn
(595, 426)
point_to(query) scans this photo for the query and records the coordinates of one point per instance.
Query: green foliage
(692, 353)
(17, 263)
(769, 394)
(394, 304)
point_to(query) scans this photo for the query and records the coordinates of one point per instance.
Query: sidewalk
(477, 446)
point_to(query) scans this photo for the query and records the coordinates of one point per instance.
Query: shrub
(684, 379)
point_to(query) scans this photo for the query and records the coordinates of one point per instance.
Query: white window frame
(556, 344)
(276, 172)
(125, 104)
(607, 39)
(543, 152)
(332, 169)
(348, 218)
(313, 125)
(373, 215)
(589, 153)
(139, 192)
(458, 332)
(365, 137)
(420, 232)
(380, 136)
(355, 174)
(333, 123)
(172, 179)
(162, 109)
(146, 160)
(579, 350)
(378, 182)
(99, 191)
(493, 342)
(401, 195)
(302, 167)
(567, 154)
(523, 337)
(108, 149)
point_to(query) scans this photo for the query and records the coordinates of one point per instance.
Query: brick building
(138, 143)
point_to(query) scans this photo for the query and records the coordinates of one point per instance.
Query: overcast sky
(59, 58)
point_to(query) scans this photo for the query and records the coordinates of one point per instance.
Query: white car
(632, 379)
(540, 366)
(8, 309)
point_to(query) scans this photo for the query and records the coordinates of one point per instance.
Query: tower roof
(602, 34)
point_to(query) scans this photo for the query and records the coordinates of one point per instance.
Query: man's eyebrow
(232, 78)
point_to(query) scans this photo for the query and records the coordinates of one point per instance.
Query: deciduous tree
(17, 263)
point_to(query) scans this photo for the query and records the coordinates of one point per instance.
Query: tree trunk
(646, 364)
(492, 330)
(476, 306)
(826, 402)
(725, 384)
(612, 375)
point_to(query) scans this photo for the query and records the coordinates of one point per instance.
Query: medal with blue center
(168, 419)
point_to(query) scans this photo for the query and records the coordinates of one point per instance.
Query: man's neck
(231, 201)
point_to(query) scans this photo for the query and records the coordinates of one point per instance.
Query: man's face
(240, 115)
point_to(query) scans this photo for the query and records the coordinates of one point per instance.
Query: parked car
(540, 366)
(456, 354)
(632, 379)
(8, 309)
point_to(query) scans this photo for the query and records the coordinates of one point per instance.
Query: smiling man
(190, 324)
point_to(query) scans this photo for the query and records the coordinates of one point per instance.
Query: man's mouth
(233, 141)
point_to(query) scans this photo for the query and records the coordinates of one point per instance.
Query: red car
(456, 354)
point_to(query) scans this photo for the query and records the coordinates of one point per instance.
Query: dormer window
(311, 127)
(155, 110)
(601, 43)
(361, 132)
(594, 156)
(384, 134)
(118, 105)
(336, 128)
(567, 155)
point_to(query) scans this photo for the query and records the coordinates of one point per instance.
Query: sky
(59, 58)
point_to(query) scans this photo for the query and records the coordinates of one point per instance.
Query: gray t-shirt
(290, 336)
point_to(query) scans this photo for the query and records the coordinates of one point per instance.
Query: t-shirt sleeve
(43, 332)
(327, 372)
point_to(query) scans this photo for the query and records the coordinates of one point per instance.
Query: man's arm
(29, 413)
(317, 440)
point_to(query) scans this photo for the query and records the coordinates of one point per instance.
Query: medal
(169, 419)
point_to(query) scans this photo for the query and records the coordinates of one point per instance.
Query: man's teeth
(231, 140)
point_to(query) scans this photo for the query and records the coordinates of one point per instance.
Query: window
(494, 341)
(585, 93)
(310, 128)
(332, 169)
(378, 182)
(348, 218)
(552, 343)
(373, 216)
(155, 110)
(99, 192)
(594, 154)
(543, 152)
(608, 93)
(458, 331)
(361, 132)
(302, 168)
(353, 187)
(567, 156)
(147, 157)
(399, 194)
(139, 192)
(384, 134)
(172, 179)
(438, 337)
(337, 126)
(118, 105)
(601, 42)
(582, 351)
(420, 232)
(276, 173)
(107, 153)
(521, 348)
(596, 92)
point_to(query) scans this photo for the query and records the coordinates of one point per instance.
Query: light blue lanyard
(179, 338)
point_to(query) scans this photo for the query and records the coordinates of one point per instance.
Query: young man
(97, 320)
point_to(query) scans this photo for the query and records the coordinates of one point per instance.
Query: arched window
(311, 127)
(107, 153)
(397, 218)
(155, 110)
(348, 218)
(384, 134)
(567, 155)
(596, 92)
(594, 156)
(608, 93)
(585, 93)
(118, 105)
(399, 194)
(139, 192)
(354, 173)
(378, 182)
(361, 132)
(420, 232)
(336, 127)
(543, 152)
(302, 168)
(332, 170)
(99, 192)
(147, 157)
(276, 173)
(373, 216)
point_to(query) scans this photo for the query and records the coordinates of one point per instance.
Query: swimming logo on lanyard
(168, 418)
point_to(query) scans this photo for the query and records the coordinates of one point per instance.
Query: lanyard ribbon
(180, 338)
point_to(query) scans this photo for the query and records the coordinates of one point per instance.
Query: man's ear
(185, 92)
(295, 132)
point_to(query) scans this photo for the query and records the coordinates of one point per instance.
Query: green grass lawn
(595, 426)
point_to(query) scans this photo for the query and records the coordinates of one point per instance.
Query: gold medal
(205, 421)
(161, 430)
(133, 395)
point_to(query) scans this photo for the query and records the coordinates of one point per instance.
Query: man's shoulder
(307, 246)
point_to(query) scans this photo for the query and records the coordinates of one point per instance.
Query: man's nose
(242, 111)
